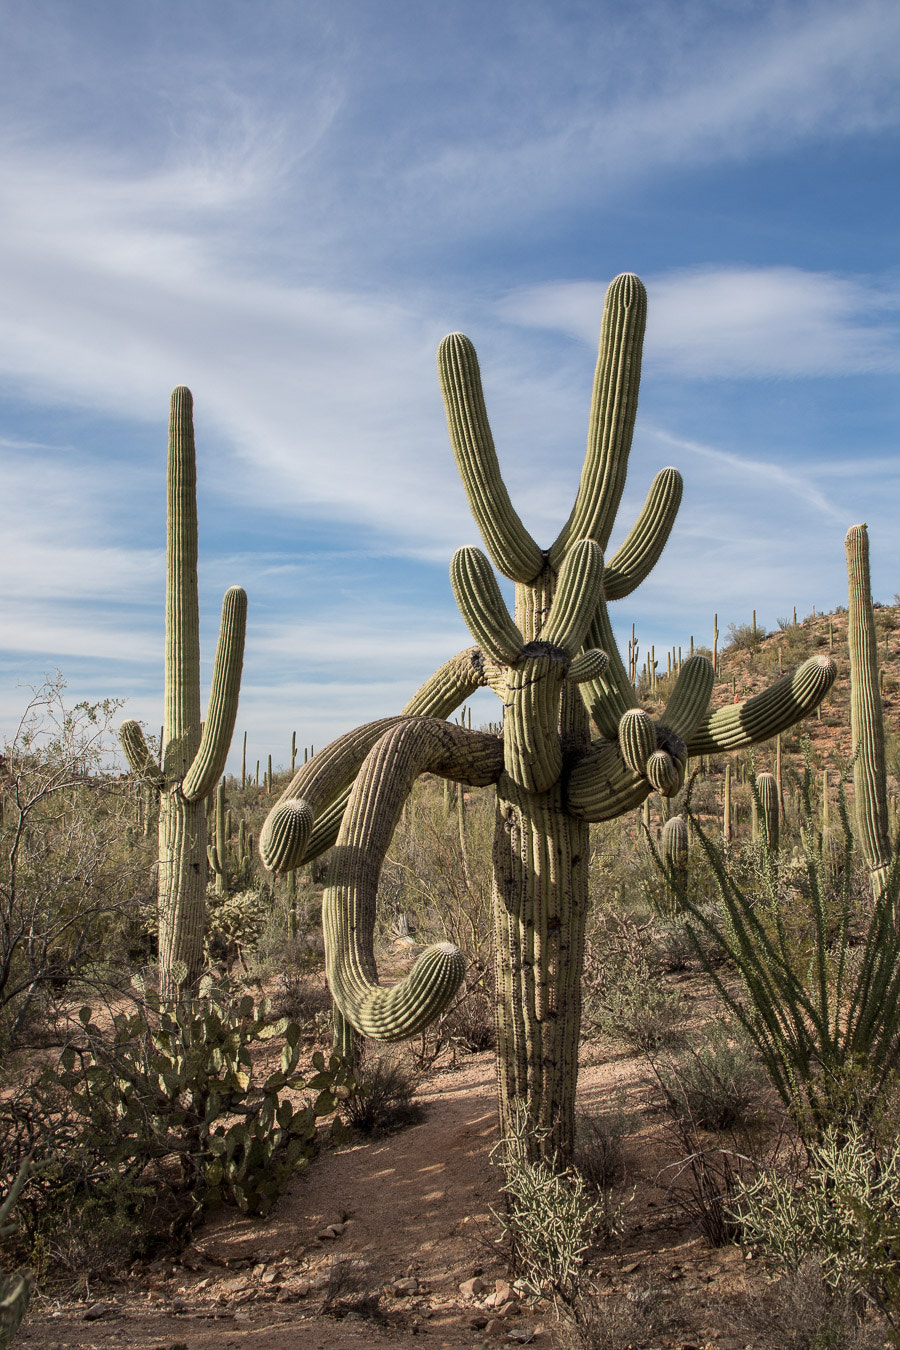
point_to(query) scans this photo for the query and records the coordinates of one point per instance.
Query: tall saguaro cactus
(866, 715)
(575, 748)
(194, 752)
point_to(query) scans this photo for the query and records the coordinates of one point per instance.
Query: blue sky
(286, 205)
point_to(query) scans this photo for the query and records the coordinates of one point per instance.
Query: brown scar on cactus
(575, 747)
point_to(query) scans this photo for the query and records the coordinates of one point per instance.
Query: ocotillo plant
(575, 746)
(194, 752)
(866, 715)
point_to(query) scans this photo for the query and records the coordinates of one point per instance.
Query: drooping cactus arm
(140, 760)
(508, 542)
(450, 686)
(324, 783)
(641, 549)
(866, 717)
(758, 719)
(613, 410)
(321, 783)
(612, 693)
(182, 643)
(385, 779)
(209, 762)
(601, 786)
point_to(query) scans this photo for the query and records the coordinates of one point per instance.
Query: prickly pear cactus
(194, 752)
(575, 746)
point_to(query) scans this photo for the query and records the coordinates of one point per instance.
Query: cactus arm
(613, 410)
(578, 592)
(324, 782)
(450, 685)
(612, 693)
(633, 562)
(508, 542)
(140, 760)
(758, 719)
(689, 700)
(209, 762)
(866, 716)
(384, 781)
(602, 787)
(482, 606)
(182, 642)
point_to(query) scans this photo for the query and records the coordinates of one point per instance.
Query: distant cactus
(766, 812)
(193, 759)
(575, 746)
(674, 841)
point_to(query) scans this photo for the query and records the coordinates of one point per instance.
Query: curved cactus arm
(413, 746)
(450, 685)
(633, 562)
(611, 694)
(324, 783)
(578, 592)
(508, 542)
(758, 719)
(866, 715)
(637, 739)
(482, 606)
(209, 762)
(590, 665)
(689, 700)
(140, 760)
(613, 410)
(601, 786)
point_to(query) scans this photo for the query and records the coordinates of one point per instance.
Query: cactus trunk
(575, 746)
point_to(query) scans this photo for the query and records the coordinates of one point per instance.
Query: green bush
(844, 1212)
(141, 1128)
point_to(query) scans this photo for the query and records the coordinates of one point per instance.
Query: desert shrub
(72, 885)
(633, 1005)
(746, 636)
(382, 1099)
(799, 1311)
(843, 1213)
(235, 922)
(714, 1080)
(629, 1321)
(550, 1218)
(817, 1019)
(145, 1124)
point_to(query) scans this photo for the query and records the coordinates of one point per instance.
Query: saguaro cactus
(575, 745)
(194, 752)
(866, 715)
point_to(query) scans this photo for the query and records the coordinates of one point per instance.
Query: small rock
(270, 1276)
(472, 1288)
(326, 1235)
(494, 1327)
(631, 1267)
(405, 1288)
(504, 1309)
(94, 1312)
(503, 1290)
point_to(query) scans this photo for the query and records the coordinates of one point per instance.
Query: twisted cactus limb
(194, 753)
(411, 747)
(576, 746)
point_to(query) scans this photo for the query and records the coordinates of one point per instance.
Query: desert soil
(412, 1224)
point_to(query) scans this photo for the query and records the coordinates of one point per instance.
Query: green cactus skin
(866, 715)
(575, 746)
(766, 817)
(194, 752)
(674, 841)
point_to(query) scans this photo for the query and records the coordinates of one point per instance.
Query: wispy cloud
(739, 322)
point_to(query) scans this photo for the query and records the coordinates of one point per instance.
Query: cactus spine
(194, 752)
(575, 746)
(866, 717)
